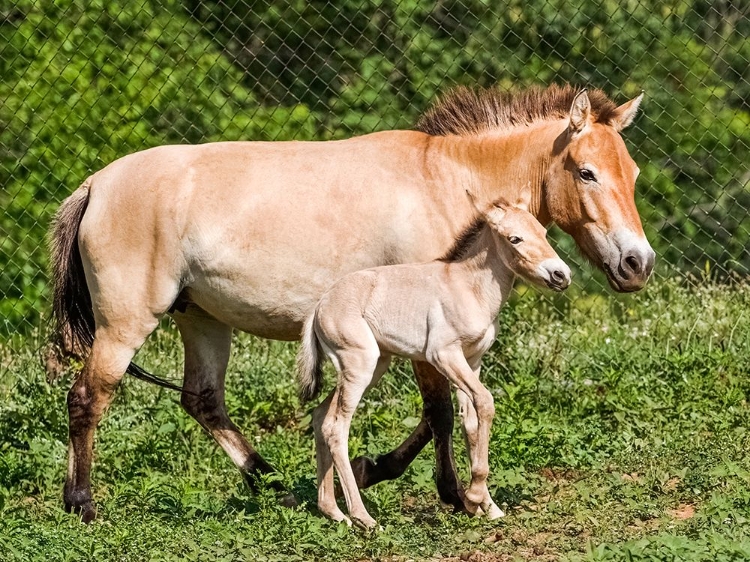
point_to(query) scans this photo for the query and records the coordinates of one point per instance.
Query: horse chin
(599, 251)
(614, 283)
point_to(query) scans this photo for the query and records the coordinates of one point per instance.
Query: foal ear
(579, 112)
(494, 217)
(624, 114)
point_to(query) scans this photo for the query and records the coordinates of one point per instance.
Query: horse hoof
(288, 501)
(86, 511)
(80, 503)
(452, 496)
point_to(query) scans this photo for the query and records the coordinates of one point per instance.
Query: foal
(443, 312)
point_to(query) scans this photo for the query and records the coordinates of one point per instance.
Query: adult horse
(248, 235)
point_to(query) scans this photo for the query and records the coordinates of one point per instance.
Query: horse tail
(309, 362)
(73, 313)
(72, 310)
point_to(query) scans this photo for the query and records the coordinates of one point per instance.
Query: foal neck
(485, 264)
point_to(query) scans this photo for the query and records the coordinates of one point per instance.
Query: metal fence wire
(85, 82)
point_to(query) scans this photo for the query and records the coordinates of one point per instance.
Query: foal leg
(359, 369)
(470, 426)
(328, 409)
(90, 395)
(207, 343)
(438, 413)
(437, 420)
(326, 492)
(453, 365)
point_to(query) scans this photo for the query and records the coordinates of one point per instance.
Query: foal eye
(587, 175)
(515, 239)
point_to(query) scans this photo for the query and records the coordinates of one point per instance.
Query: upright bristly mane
(467, 111)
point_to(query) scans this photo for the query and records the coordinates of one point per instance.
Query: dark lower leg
(207, 344)
(84, 410)
(437, 420)
(210, 411)
(390, 466)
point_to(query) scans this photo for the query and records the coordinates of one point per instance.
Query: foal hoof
(365, 522)
(491, 512)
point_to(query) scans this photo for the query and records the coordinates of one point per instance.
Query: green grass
(621, 434)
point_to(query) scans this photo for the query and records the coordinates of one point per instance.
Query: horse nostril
(633, 264)
(558, 276)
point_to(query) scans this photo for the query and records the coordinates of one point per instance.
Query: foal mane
(470, 111)
(465, 240)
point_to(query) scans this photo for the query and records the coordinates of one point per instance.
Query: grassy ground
(621, 434)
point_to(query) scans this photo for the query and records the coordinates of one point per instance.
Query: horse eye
(587, 175)
(515, 239)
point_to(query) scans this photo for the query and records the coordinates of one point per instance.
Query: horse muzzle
(629, 262)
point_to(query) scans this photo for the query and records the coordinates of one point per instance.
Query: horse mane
(471, 111)
(465, 240)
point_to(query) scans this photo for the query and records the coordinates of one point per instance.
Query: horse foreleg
(390, 466)
(207, 343)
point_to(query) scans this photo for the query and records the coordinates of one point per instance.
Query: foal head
(524, 248)
(590, 192)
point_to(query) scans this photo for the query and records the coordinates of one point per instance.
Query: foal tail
(309, 362)
(73, 313)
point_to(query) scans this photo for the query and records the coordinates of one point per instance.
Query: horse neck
(510, 164)
(483, 263)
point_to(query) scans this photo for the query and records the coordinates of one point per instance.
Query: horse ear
(579, 112)
(624, 115)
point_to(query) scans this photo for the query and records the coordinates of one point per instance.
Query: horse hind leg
(207, 345)
(90, 395)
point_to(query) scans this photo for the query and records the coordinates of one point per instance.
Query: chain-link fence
(85, 82)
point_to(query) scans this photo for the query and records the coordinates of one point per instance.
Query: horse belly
(257, 303)
(270, 285)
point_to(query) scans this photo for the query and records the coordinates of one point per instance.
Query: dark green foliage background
(83, 83)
